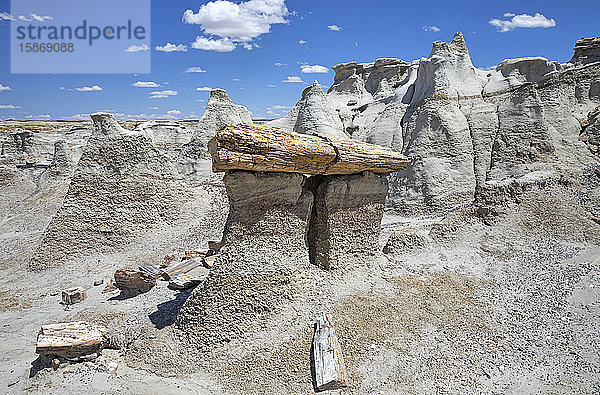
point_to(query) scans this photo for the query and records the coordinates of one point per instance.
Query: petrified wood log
(182, 267)
(259, 148)
(70, 340)
(134, 280)
(330, 371)
(73, 295)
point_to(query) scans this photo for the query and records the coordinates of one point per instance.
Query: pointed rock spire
(316, 114)
(458, 43)
(105, 123)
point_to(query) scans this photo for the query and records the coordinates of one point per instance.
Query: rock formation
(587, 50)
(346, 221)
(280, 222)
(464, 127)
(313, 114)
(220, 111)
(122, 185)
(316, 114)
(590, 131)
(264, 253)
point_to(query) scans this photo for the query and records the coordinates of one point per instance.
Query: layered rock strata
(281, 222)
(278, 224)
(464, 127)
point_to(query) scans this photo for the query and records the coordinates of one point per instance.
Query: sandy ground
(512, 307)
(482, 309)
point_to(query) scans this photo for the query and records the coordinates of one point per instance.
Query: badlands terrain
(485, 277)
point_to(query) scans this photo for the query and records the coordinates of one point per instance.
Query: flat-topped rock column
(264, 252)
(346, 223)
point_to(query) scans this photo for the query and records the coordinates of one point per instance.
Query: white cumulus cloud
(236, 23)
(250, 46)
(94, 88)
(5, 16)
(8, 107)
(218, 45)
(431, 28)
(4, 88)
(204, 89)
(168, 47)
(174, 112)
(279, 64)
(195, 69)
(137, 48)
(317, 68)
(162, 94)
(40, 18)
(302, 42)
(293, 79)
(145, 84)
(334, 28)
(522, 20)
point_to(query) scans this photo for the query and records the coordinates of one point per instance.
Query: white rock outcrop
(464, 127)
(220, 111)
(122, 186)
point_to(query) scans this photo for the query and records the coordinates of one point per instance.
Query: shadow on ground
(166, 312)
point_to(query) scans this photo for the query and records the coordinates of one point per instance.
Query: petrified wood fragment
(330, 371)
(70, 339)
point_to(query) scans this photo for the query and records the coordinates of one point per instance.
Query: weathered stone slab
(70, 340)
(330, 371)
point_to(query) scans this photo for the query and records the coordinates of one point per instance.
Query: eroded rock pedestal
(281, 220)
(122, 186)
(264, 253)
(346, 222)
(276, 220)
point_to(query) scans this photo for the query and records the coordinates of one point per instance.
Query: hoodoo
(280, 221)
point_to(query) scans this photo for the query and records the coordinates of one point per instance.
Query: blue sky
(283, 36)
